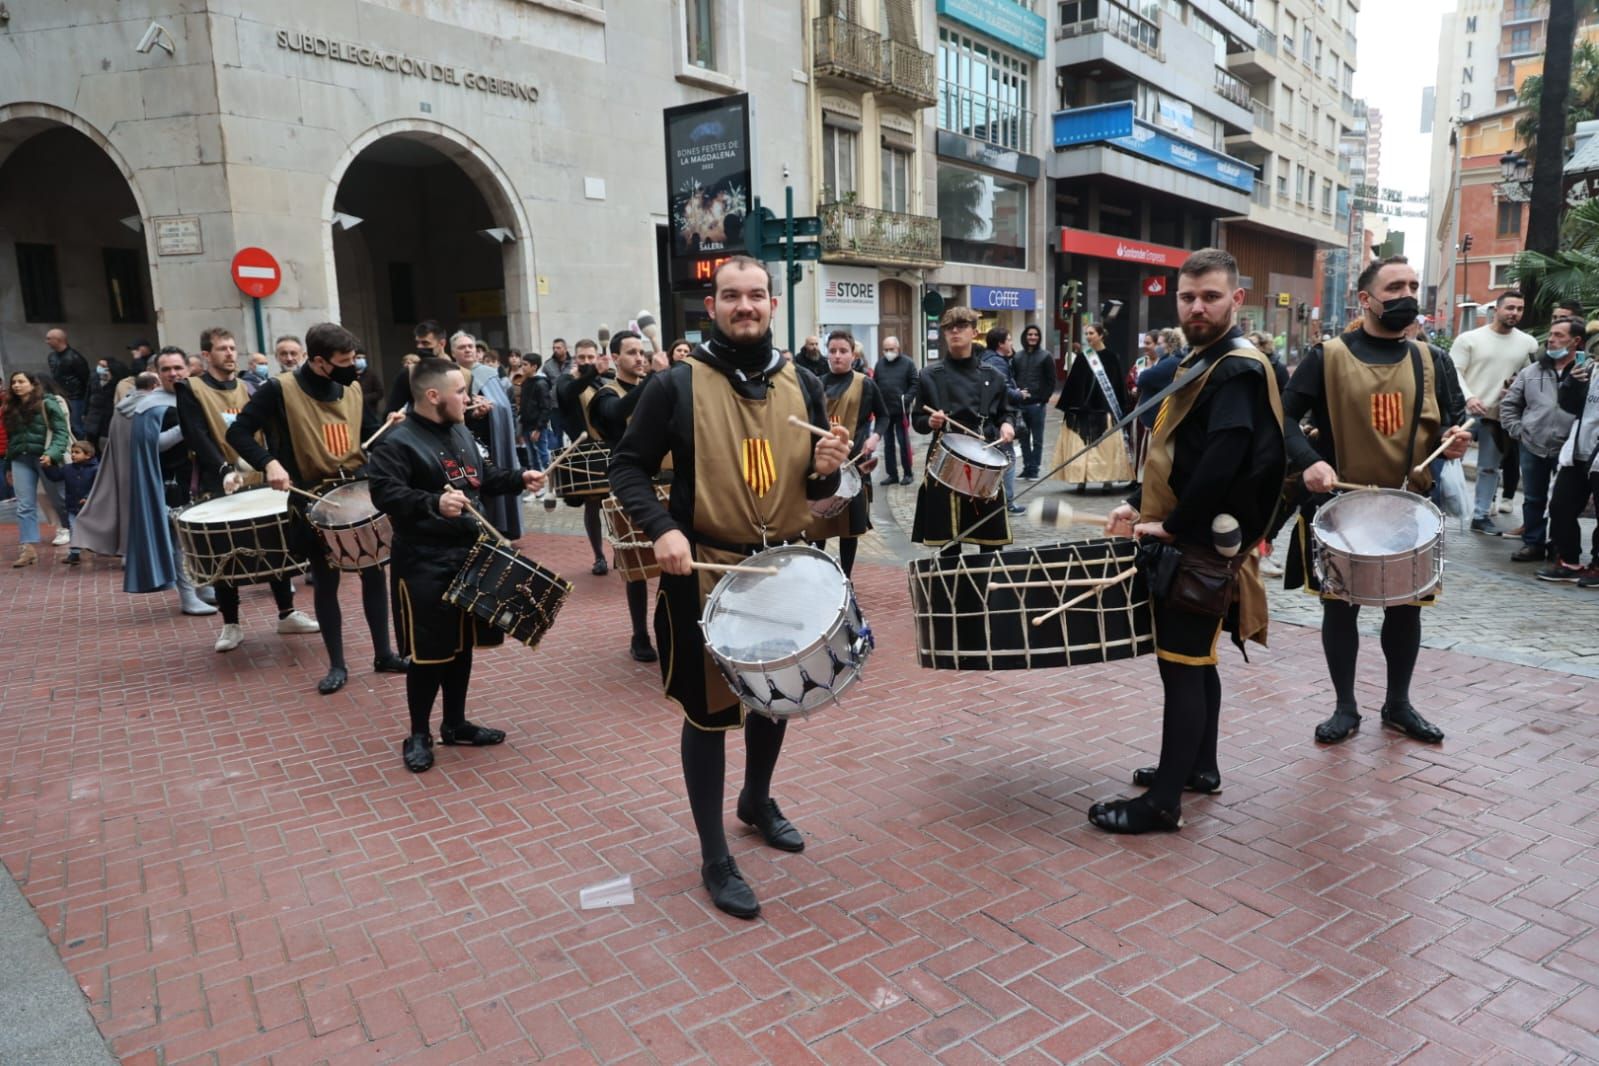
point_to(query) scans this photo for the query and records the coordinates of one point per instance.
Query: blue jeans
(898, 443)
(75, 417)
(541, 449)
(1030, 432)
(25, 478)
(1487, 468)
(1536, 473)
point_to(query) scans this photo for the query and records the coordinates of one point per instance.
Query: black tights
(1340, 640)
(592, 526)
(638, 601)
(705, 772)
(423, 682)
(1189, 729)
(846, 552)
(228, 599)
(374, 603)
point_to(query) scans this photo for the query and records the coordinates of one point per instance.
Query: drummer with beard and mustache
(427, 472)
(854, 403)
(741, 482)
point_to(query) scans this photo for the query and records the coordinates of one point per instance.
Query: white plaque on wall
(177, 235)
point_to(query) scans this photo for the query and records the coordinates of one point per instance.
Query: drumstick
(1350, 486)
(950, 421)
(560, 456)
(301, 492)
(1421, 467)
(1099, 587)
(796, 420)
(734, 568)
(384, 428)
(486, 524)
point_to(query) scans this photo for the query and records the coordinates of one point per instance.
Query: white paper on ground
(617, 892)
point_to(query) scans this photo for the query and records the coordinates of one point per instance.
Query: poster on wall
(708, 182)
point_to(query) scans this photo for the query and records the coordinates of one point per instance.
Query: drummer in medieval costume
(1210, 490)
(1093, 399)
(1374, 399)
(854, 403)
(424, 476)
(959, 394)
(742, 479)
(305, 428)
(573, 394)
(207, 406)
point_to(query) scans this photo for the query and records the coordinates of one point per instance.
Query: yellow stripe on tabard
(1160, 416)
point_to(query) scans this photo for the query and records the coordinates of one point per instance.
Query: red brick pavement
(237, 870)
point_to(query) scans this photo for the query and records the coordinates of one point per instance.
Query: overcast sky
(1397, 57)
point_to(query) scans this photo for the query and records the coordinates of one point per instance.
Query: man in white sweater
(1488, 359)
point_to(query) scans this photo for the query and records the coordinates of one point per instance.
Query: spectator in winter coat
(895, 378)
(77, 478)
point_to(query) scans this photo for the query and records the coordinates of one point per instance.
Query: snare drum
(1381, 547)
(974, 612)
(787, 642)
(509, 591)
(356, 533)
(849, 487)
(967, 465)
(634, 552)
(238, 540)
(583, 474)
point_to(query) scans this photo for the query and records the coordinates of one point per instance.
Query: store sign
(1098, 245)
(1004, 20)
(708, 183)
(848, 296)
(1116, 125)
(407, 66)
(985, 298)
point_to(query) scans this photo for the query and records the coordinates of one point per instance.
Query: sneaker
(231, 637)
(1269, 568)
(297, 622)
(1026, 477)
(1016, 508)
(62, 539)
(1506, 507)
(1589, 578)
(1560, 572)
(1486, 527)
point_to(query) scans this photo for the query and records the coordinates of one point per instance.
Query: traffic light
(1304, 311)
(1465, 244)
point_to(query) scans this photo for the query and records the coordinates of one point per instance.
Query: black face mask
(1398, 313)
(344, 375)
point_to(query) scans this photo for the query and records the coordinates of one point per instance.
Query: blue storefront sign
(987, 298)
(1115, 124)
(1004, 20)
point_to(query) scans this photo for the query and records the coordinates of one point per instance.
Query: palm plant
(1582, 103)
(1572, 273)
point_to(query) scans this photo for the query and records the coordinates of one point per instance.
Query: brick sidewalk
(237, 870)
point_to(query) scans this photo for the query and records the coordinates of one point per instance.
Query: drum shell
(354, 545)
(850, 484)
(584, 473)
(238, 551)
(963, 624)
(1379, 580)
(634, 552)
(500, 586)
(968, 476)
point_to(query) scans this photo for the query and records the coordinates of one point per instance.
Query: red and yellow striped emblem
(760, 472)
(336, 435)
(1387, 412)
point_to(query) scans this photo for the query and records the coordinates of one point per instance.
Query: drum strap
(1415, 415)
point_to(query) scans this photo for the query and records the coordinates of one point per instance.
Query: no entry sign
(256, 273)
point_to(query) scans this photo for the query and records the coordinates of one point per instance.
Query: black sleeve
(371, 421)
(264, 410)
(636, 458)
(400, 391)
(498, 481)
(924, 393)
(530, 411)
(610, 413)
(1300, 399)
(389, 475)
(1451, 401)
(1205, 495)
(873, 409)
(1573, 394)
(196, 432)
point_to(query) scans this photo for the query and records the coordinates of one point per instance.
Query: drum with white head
(240, 539)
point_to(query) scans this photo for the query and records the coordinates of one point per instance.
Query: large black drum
(509, 591)
(975, 612)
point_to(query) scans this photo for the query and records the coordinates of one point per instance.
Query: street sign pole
(788, 256)
(260, 327)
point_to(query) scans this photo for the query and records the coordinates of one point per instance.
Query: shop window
(124, 288)
(40, 282)
(983, 218)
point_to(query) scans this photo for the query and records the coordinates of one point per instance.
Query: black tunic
(973, 395)
(1083, 401)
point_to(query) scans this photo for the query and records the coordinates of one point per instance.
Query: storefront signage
(407, 66)
(986, 298)
(1100, 246)
(1116, 125)
(708, 183)
(1004, 20)
(971, 150)
(177, 235)
(848, 296)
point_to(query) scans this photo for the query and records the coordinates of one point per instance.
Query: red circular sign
(256, 273)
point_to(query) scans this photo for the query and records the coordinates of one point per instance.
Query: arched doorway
(423, 228)
(72, 246)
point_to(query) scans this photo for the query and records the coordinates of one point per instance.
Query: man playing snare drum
(1375, 400)
(741, 482)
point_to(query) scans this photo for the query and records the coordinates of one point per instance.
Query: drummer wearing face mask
(1376, 402)
(304, 428)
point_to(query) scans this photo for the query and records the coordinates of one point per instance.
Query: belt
(739, 549)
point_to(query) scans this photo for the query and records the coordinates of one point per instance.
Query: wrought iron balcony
(847, 51)
(910, 75)
(853, 233)
(1231, 88)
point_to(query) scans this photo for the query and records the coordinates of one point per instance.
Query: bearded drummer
(1375, 400)
(741, 483)
(207, 406)
(304, 428)
(1217, 450)
(961, 389)
(427, 472)
(854, 403)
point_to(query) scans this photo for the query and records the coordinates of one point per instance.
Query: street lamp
(1516, 188)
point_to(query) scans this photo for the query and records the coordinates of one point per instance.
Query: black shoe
(728, 889)
(1208, 784)
(1335, 730)
(600, 568)
(777, 831)
(906, 480)
(72, 559)
(889, 479)
(1403, 717)
(417, 751)
(1486, 527)
(337, 676)
(1135, 816)
(641, 650)
(468, 735)
(390, 663)
(1529, 553)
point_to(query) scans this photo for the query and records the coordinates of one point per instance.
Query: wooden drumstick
(734, 568)
(486, 524)
(1350, 486)
(301, 492)
(796, 420)
(1099, 586)
(951, 422)
(384, 428)
(560, 457)
(1421, 467)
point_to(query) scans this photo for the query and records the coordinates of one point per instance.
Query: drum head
(344, 504)
(849, 482)
(763, 618)
(251, 503)
(972, 450)
(1378, 522)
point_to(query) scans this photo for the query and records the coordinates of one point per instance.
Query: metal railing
(1078, 18)
(1265, 117)
(980, 116)
(1265, 39)
(870, 234)
(847, 49)
(1246, 8)
(1261, 194)
(1348, 100)
(1231, 87)
(910, 73)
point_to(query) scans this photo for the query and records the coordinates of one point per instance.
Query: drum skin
(240, 539)
(356, 533)
(1378, 547)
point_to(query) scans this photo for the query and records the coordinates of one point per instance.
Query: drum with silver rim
(788, 642)
(849, 487)
(1378, 547)
(967, 465)
(356, 533)
(240, 539)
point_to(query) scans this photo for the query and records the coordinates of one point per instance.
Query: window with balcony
(984, 92)
(1509, 222)
(983, 217)
(896, 177)
(840, 150)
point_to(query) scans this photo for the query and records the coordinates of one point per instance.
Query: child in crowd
(78, 478)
